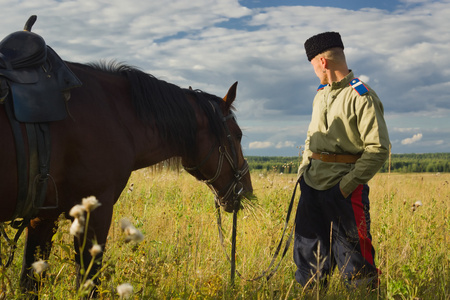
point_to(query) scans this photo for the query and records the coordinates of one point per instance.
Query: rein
(267, 273)
(236, 189)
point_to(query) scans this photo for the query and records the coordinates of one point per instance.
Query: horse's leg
(38, 244)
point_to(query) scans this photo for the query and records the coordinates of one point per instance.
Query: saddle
(37, 77)
(35, 84)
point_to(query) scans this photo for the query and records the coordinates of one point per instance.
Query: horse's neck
(152, 150)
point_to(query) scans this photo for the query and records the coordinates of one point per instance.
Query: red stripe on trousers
(358, 211)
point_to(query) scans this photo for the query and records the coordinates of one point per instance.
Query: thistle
(125, 290)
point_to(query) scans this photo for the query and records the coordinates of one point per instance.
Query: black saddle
(36, 75)
(21, 53)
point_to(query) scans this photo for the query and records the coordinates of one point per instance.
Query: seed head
(125, 290)
(124, 223)
(90, 203)
(133, 234)
(77, 211)
(95, 250)
(89, 284)
(77, 227)
(39, 266)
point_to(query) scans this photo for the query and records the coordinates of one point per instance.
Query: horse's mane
(165, 105)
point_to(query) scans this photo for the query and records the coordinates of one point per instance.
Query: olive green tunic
(344, 122)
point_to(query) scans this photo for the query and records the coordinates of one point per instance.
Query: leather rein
(236, 188)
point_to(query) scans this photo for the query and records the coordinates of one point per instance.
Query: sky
(400, 48)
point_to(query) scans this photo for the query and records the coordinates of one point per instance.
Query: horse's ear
(231, 95)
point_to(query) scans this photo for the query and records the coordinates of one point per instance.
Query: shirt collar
(344, 82)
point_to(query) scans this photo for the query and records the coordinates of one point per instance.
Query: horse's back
(92, 148)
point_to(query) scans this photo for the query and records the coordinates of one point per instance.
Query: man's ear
(323, 62)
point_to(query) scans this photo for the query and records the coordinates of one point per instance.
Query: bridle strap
(235, 188)
(232, 160)
(272, 268)
(203, 161)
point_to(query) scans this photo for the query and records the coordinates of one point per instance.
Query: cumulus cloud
(260, 145)
(415, 138)
(210, 44)
(285, 144)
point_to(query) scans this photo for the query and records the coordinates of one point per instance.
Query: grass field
(181, 256)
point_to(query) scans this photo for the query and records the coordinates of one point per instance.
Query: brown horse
(122, 119)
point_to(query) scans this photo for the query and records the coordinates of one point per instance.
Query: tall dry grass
(181, 256)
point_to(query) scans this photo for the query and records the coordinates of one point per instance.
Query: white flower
(125, 290)
(133, 234)
(124, 223)
(39, 266)
(88, 285)
(77, 211)
(90, 203)
(95, 250)
(77, 227)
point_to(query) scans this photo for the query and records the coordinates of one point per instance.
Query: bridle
(235, 188)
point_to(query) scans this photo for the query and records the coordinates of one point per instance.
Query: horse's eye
(239, 135)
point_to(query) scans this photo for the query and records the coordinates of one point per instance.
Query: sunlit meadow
(181, 256)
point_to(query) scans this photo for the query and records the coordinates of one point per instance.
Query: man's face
(318, 64)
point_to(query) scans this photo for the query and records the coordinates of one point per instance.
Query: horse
(119, 120)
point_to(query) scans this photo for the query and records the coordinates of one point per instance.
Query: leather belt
(336, 158)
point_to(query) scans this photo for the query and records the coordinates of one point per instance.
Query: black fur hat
(322, 42)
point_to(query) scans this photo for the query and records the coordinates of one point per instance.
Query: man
(347, 143)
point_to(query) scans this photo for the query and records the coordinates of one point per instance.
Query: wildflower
(124, 223)
(39, 266)
(418, 203)
(125, 290)
(77, 227)
(131, 233)
(95, 250)
(77, 211)
(90, 203)
(89, 284)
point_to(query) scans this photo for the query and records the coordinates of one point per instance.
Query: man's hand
(343, 194)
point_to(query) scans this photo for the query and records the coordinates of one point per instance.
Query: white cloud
(260, 145)
(415, 138)
(196, 43)
(285, 144)
(400, 129)
(364, 78)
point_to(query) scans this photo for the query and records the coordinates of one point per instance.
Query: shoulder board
(321, 86)
(358, 86)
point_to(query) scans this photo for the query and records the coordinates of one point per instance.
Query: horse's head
(219, 161)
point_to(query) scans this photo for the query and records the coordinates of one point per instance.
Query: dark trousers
(333, 231)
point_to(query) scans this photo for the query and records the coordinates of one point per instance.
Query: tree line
(400, 163)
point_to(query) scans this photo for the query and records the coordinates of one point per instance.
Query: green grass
(181, 256)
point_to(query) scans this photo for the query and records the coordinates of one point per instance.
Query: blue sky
(398, 47)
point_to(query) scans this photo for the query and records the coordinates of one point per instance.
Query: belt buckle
(323, 153)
